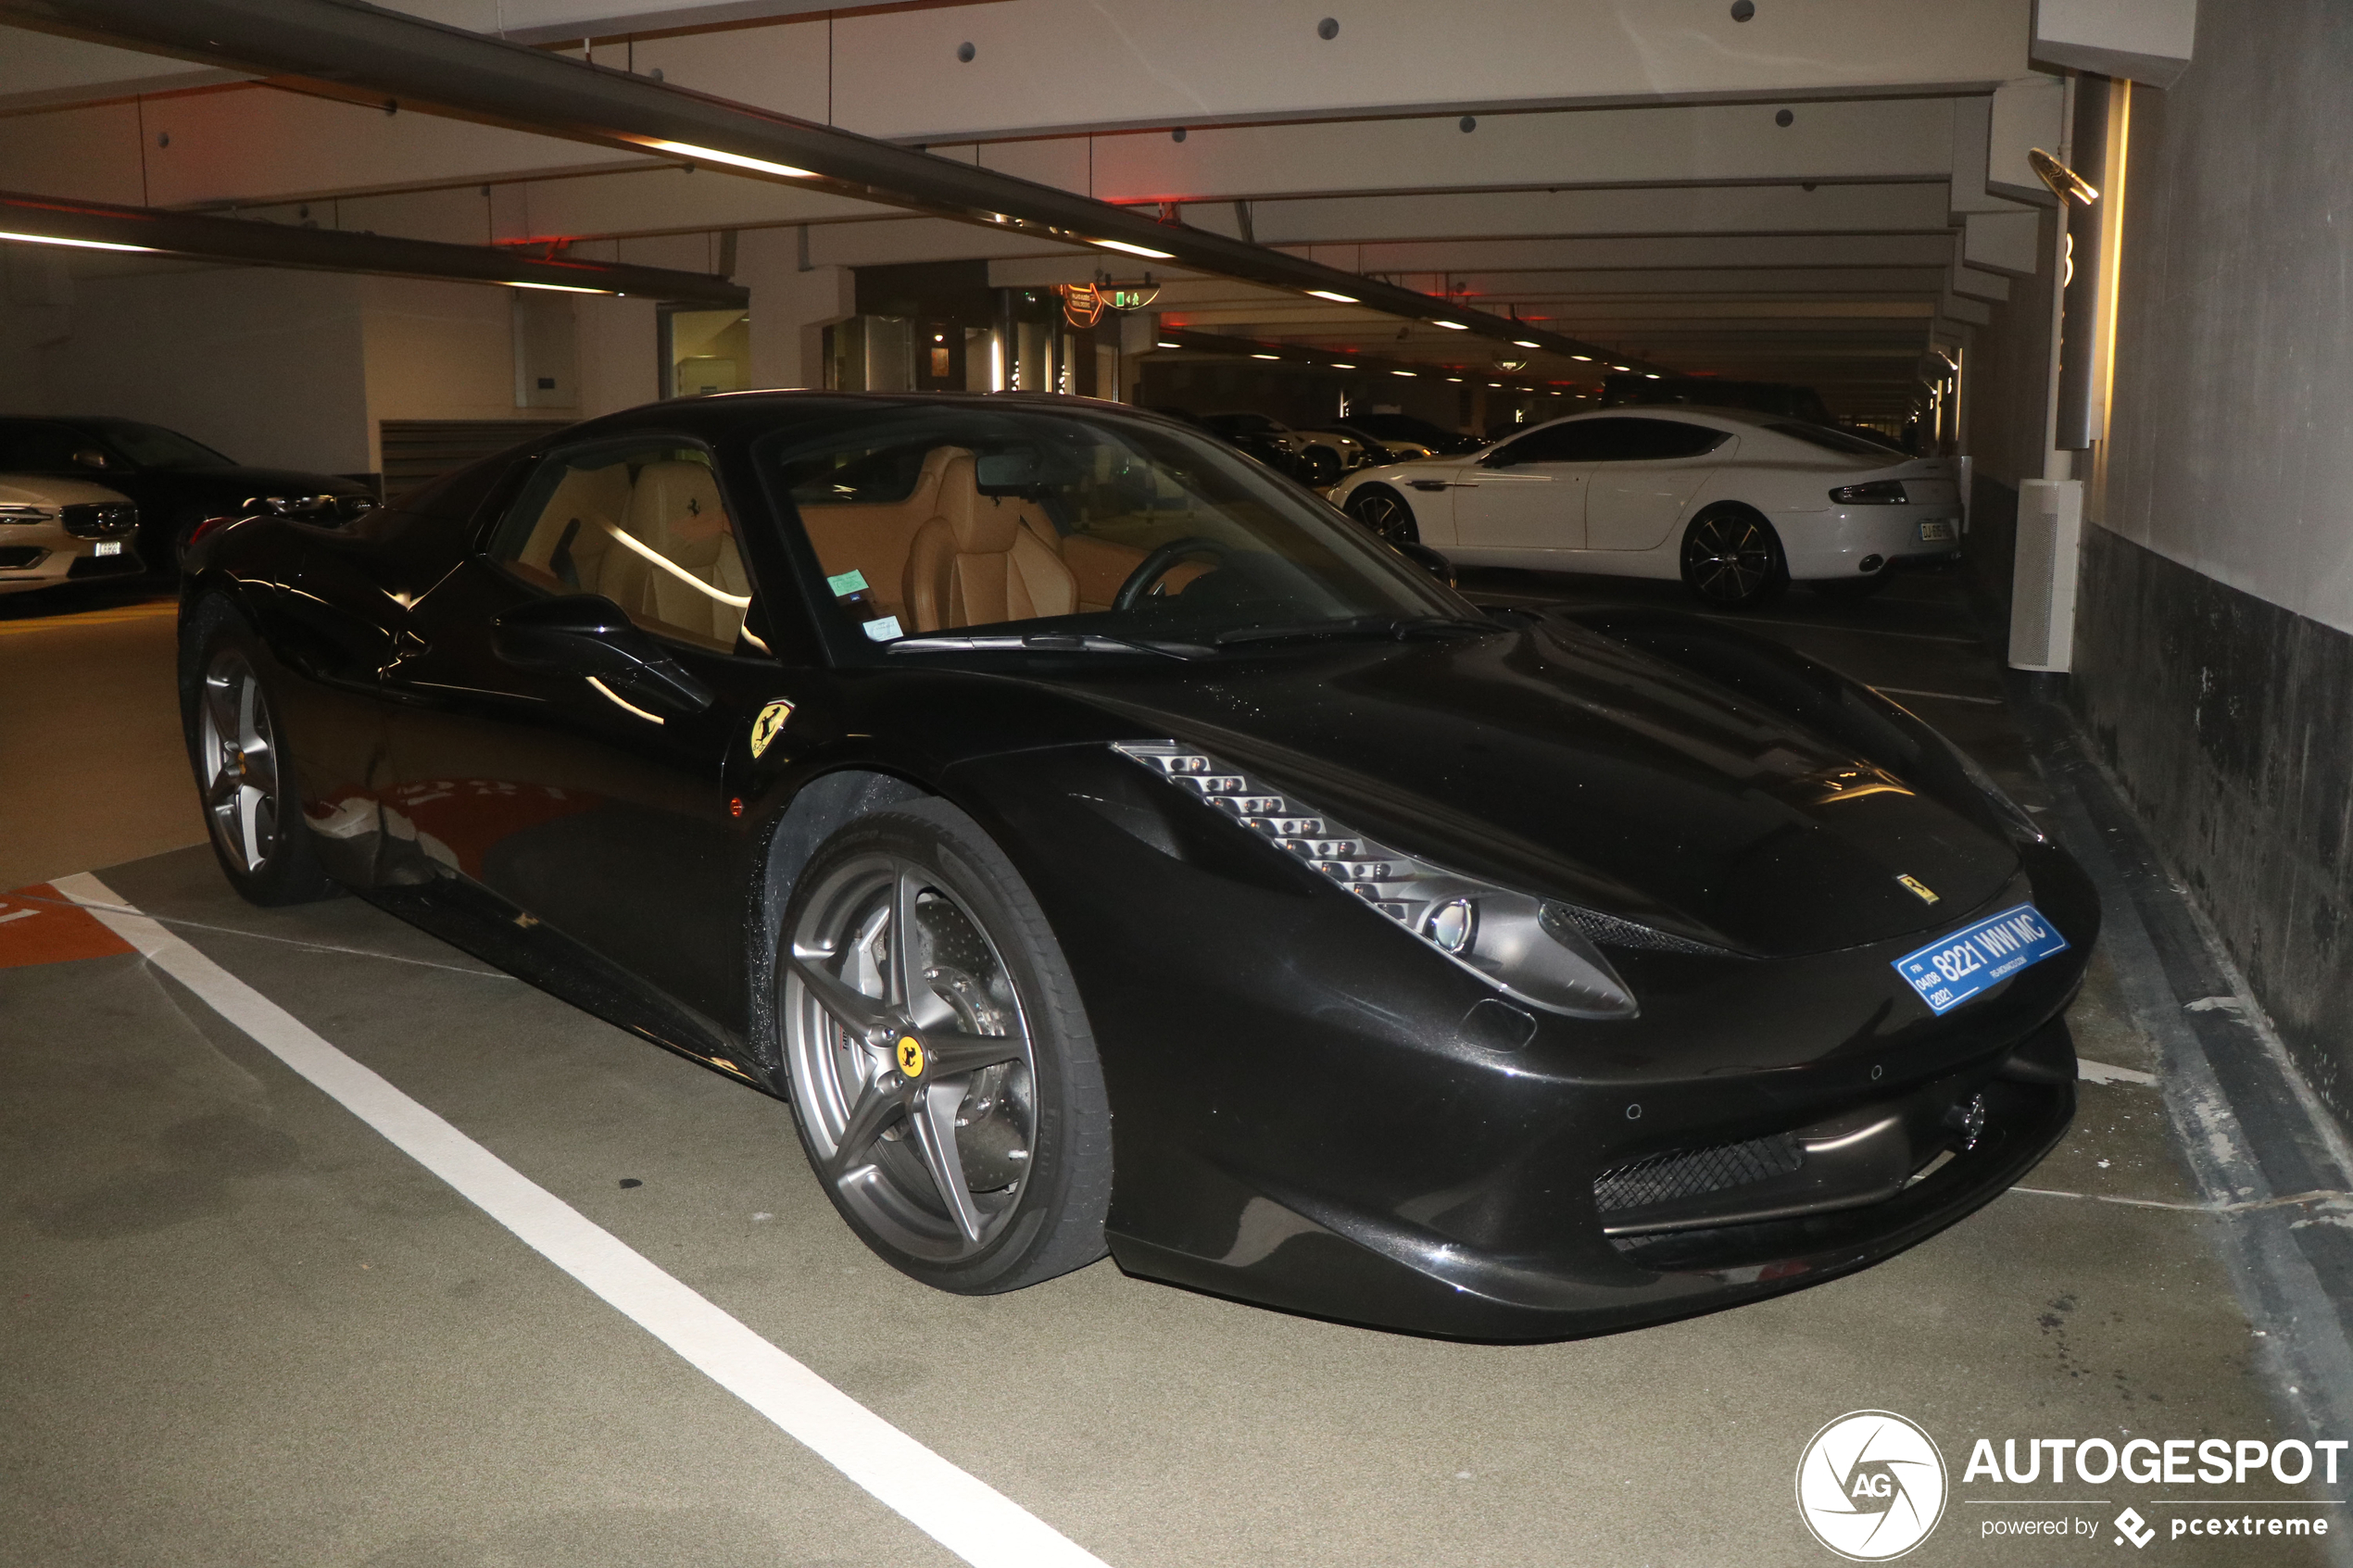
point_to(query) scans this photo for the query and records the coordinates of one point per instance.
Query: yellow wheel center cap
(910, 1056)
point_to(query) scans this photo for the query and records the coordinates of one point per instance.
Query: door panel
(1636, 505)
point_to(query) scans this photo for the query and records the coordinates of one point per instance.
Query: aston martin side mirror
(588, 635)
(1429, 561)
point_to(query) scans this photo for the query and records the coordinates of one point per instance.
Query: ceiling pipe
(350, 47)
(104, 226)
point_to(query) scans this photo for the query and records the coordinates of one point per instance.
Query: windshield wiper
(1393, 627)
(1044, 642)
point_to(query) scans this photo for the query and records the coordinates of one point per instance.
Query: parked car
(1401, 433)
(1102, 845)
(1326, 454)
(176, 482)
(1281, 456)
(1738, 504)
(55, 530)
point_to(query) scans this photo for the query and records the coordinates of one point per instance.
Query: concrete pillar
(791, 305)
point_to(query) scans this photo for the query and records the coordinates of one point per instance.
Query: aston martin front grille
(1664, 1178)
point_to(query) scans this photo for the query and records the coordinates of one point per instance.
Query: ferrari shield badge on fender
(1926, 894)
(768, 725)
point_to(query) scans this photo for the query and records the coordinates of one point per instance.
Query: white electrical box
(2050, 542)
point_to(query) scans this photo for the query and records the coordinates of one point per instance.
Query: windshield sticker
(1952, 969)
(768, 725)
(848, 583)
(883, 631)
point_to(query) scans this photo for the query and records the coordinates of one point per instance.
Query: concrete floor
(241, 1328)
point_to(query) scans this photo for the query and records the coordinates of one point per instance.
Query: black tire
(243, 765)
(1322, 467)
(879, 1119)
(1385, 512)
(1732, 560)
(1850, 590)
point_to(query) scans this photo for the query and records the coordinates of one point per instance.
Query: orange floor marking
(38, 924)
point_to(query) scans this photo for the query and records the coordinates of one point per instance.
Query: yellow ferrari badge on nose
(1926, 894)
(768, 725)
(910, 1056)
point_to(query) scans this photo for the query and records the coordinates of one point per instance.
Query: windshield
(152, 447)
(935, 522)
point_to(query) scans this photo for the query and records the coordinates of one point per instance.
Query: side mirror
(1429, 561)
(586, 635)
(91, 458)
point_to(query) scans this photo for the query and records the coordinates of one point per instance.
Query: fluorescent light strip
(1265, 356)
(1344, 364)
(1136, 250)
(1168, 346)
(560, 288)
(1582, 358)
(1335, 298)
(78, 245)
(1450, 326)
(1523, 343)
(1407, 374)
(757, 165)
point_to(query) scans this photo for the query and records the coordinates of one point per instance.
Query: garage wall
(2214, 665)
(263, 364)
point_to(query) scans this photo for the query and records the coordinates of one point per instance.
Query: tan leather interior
(873, 537)
(674, 508)
(980, 561)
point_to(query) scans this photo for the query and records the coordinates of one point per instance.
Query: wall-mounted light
(712, 155)
(1335, 298)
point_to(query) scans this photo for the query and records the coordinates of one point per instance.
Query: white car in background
(1736, 504)
(53, 530)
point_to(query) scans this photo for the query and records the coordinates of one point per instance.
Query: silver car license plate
(1936, 533)
(107, 548)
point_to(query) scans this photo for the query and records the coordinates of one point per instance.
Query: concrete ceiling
(1823, 194)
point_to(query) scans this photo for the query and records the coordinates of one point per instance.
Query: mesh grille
(1612, 932)
(1661, 1178)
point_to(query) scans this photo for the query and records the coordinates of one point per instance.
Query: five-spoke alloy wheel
(244, 776)
(946, 1090)
(1385, 512)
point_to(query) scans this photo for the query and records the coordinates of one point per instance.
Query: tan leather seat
(973, 564)
(676, 510)
(568, 544)
(873, 538)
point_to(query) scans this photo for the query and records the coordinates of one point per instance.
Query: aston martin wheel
(245, 777)
(1385, 512)
(942, 1075)
(1732, 559)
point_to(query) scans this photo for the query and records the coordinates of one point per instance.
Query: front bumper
(1309, 1112)
(1821, 546)
(45, 554)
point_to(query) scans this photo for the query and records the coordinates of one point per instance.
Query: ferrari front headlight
(1530, 948)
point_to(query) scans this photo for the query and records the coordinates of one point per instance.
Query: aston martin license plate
(1952, 969)
(1935, 531)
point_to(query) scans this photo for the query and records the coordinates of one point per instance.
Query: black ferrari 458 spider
(1103, 845)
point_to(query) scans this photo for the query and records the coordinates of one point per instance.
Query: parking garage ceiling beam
(194, 236)
(357, 49)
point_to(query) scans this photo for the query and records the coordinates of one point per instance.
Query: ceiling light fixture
(1582, 358)
(1335, 298)
(1344, 364)
(1265, 356)
(1522, 343)
(560, 288)
(78, 245)
(712, 155)
(1136, 250)
(1408, 374)
(1168, 346)
(1450, 326)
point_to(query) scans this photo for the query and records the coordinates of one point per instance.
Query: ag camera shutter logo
(1870, 1486)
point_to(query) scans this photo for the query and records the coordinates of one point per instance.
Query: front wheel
(1732, 559)
(943, 1077)
(1384, 511)
(244, 776)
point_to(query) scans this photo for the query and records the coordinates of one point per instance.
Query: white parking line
(969, 1518)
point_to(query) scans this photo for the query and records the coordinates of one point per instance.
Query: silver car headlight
(1532, 949)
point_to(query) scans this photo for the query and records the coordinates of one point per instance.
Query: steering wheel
(1153, 567)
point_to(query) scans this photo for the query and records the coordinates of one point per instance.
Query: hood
(24, 490)
(1565, 764)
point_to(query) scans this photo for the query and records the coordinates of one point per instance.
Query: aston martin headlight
(1531, 949)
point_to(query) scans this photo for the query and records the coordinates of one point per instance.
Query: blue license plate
(1952, 969)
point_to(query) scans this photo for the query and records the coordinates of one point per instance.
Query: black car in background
(175, 481)
(1104, 845)
(1388, 429)
(1272, 450)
